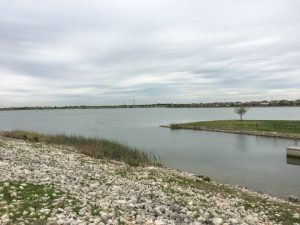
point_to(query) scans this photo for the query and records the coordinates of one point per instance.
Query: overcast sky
(110, 52)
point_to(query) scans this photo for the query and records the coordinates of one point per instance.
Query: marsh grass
(95, 148)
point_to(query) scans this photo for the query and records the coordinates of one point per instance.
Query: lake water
(258, 163)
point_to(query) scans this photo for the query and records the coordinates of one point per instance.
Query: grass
(26, 200)
(95, 148)
(123, 172)
(95, 211)
(281, 126)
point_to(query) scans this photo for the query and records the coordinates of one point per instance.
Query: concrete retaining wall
(293, 151)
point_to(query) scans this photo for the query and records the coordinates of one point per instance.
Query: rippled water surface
(259, 163)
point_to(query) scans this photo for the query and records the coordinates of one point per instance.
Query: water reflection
(241, 143)
(256, 162)
(296, 142)
(293, 161)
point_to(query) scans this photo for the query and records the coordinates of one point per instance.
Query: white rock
(217, 221)
(159, 222)
(201, 219)
(60, 222)
(45, 211)
(296, 216)
(4, 219)
(157, 211)
(104, 216)
(233, 221)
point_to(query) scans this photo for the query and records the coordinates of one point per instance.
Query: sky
(71, 52)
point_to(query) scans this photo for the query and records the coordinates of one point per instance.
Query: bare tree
(241, 111)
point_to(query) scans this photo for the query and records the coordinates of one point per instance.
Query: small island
(271, 128)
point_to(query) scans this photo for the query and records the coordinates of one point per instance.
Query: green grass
(25, 200)
(95, 211)
(123, 172)
(96, 148)
(281, 126)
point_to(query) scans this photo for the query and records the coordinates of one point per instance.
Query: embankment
(55, 184)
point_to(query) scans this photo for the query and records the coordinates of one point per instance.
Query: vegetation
(241, 111)
(264, 103)
(282, 126)
(30, 201)
(96, 148)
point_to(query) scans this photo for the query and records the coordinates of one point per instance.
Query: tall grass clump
(96, 148)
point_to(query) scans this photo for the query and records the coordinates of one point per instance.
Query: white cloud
(69, 52)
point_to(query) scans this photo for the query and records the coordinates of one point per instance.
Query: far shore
(261, 104)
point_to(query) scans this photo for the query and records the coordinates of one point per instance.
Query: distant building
(264, 103)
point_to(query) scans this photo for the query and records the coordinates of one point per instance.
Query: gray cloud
(92, 52)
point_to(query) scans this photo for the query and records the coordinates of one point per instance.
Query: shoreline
(253, 133)
(109, 192)
(151, 106)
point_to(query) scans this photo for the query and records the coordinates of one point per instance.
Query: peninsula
(271, 128)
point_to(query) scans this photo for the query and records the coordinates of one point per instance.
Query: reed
(96, 148)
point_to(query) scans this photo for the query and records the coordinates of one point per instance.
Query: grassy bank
(96, 148)
(280, 126)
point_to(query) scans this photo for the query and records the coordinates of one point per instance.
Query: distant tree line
(167, 105)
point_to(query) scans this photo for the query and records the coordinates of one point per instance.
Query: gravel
(78, 190)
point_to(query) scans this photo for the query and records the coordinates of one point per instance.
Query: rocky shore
(48, 184)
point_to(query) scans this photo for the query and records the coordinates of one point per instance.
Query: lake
(258, 163)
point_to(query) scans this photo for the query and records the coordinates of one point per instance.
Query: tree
(241, 111)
